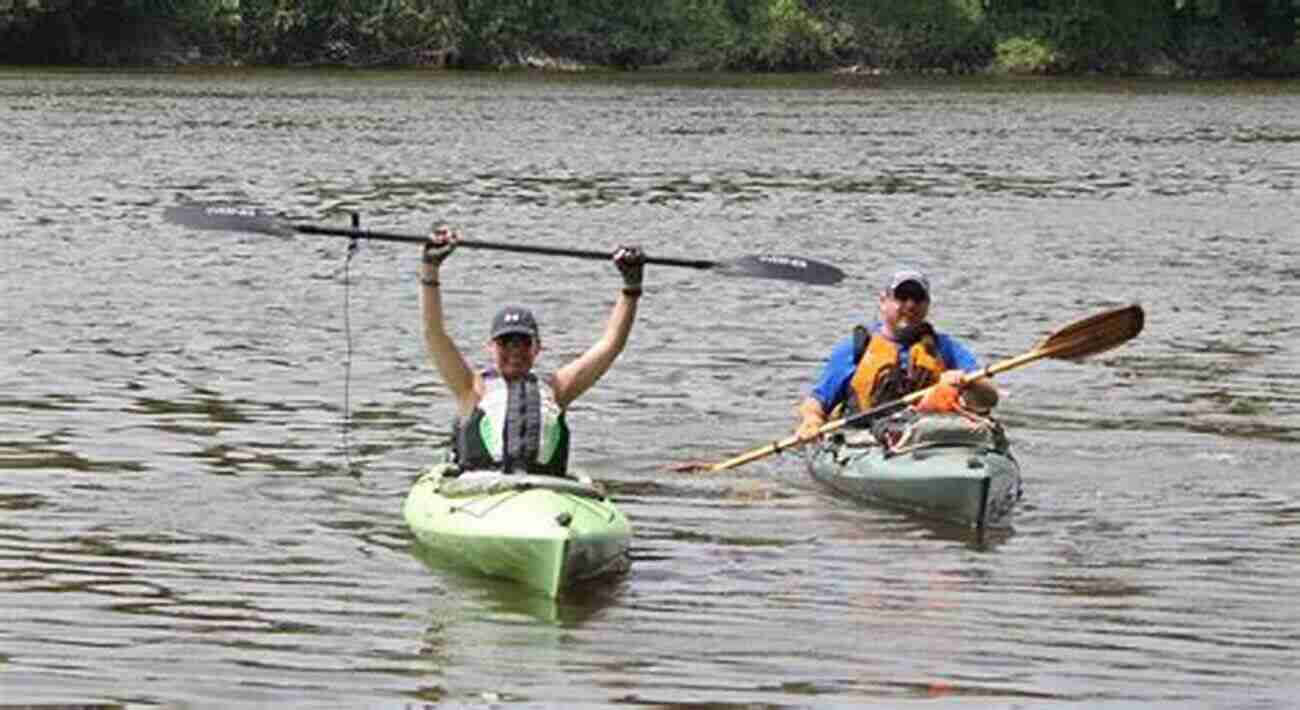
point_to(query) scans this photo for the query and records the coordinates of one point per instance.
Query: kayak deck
(953, 477)
(546, 532)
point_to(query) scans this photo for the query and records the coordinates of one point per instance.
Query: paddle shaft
(237, 218)
(498, 246)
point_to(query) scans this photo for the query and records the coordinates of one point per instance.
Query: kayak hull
(545, 532)
(969, 486)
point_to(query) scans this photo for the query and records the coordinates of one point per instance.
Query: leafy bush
(792, 38)
(1025, 55)
(768, 35)
(919, 35)
(1112, 36)
(341, 31)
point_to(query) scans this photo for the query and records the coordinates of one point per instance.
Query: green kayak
(941, 467)
(546, 532)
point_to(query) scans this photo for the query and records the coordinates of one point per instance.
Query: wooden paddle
(235, 218)
(1078, 340)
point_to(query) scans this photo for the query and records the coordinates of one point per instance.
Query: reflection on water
(186, 521)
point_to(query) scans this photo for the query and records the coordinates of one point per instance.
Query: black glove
(631, 263)
(439, 246)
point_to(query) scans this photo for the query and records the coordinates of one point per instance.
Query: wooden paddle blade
(687, 467)
(782, 266)
(764, 451)
(1095, 334)
(229, 218)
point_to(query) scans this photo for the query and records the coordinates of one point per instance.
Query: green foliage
(1282, 62)
(1203, 47)
(1117, 36)
(1025, 55)
(779, 35)
(80, 31)
(1240, 38)
(790, 37)
(353, 32)
(608, 32)
(918, 35)
(1199, 36)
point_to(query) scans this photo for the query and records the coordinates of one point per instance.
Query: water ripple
(188, 520)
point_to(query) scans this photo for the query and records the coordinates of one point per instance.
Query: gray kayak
(943, 467)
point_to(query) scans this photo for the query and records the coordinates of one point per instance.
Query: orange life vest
(879, 379)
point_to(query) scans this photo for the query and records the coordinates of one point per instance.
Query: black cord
(353, 244)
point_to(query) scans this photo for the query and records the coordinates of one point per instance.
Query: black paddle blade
(228, 218)
(782, 266)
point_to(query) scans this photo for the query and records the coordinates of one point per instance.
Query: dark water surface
(181, 526)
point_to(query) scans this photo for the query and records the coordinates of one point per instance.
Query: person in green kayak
(508, 418)
(896, 355)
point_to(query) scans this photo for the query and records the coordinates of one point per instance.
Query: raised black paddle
(235, 218)
(1078, 340)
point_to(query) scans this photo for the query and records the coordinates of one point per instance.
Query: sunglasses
(910, 293)
(515, 340)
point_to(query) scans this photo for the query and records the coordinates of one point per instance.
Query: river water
(187, 522)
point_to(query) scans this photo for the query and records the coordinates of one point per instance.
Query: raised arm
(578, 376)
(451, 364)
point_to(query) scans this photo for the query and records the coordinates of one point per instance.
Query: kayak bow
(546, 532)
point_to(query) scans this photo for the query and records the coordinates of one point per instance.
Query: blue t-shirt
(833, 385)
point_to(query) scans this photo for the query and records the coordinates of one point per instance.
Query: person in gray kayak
(508, 418)
(896, 355)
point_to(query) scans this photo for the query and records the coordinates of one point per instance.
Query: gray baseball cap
(513, 320)
(903, 275)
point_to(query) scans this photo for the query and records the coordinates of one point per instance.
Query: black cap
(514, 320)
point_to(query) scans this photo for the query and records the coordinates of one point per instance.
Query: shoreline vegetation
(1172, 38)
